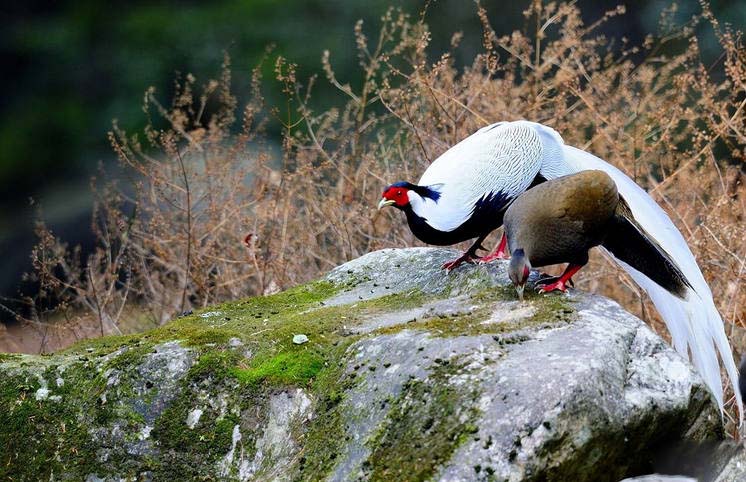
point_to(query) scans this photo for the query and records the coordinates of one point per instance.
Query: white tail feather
(694, 322)
(684, 319)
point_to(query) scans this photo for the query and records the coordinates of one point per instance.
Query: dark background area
(70, 67)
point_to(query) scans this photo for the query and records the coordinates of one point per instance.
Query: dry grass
(172, 238)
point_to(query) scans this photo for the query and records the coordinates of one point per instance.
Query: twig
(188, 190)
(96, 301)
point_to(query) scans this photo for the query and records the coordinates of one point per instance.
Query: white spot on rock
(145, 432)
(227, 462)
(509, 312)
(392, 369)
(193, 417)
(210, 314)
(112, 377)
(276, 445)
(42, 394)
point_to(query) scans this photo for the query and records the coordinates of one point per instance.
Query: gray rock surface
(660, 478)
(734, 468)
(409, 373)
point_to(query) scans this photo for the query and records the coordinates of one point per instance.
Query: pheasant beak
(519, 289)
(385, 202)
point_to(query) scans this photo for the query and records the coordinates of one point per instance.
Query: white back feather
(502, 157)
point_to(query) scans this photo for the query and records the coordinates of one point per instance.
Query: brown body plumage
(559, 221)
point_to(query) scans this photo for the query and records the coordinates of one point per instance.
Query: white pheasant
(465, 192)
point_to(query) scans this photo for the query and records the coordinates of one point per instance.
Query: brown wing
(560, 220)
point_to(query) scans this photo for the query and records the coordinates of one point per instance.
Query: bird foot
(464, 258)
(561, 284)
(548, 284)
(499, 254)
(545, 279)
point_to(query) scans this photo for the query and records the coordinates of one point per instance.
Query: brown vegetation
(209, 214)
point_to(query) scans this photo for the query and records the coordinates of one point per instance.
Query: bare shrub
(173, 238)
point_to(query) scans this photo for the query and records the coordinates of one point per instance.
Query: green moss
(287, 368)
(210, 336)
(44, 437)
(426, 424)
(499, 293)
(184, 452)
(103, 346)
(59, 433)
(216, 365)
(396, 302)
(211, 437)
(239, 319)
(130, 356)
(4, 357)
(324, 439)
(550, 309)
(292, 300)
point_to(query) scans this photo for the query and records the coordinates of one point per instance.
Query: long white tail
(694, 322)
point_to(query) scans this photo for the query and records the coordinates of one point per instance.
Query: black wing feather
(629, 242)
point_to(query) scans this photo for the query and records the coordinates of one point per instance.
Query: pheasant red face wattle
(394, 196)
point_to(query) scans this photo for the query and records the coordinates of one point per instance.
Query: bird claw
(558, 285)
(465, 258)
(547, 279)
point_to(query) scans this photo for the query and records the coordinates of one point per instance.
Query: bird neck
(418, 210)
(418, 204)
(422, 200)
(519, 260)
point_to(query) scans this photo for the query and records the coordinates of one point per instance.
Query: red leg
(500, 252)
(470, 256)
(545, 279)
(467, 257)
(561, 283)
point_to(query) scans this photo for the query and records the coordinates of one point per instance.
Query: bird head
(518, 270)
(396, 195)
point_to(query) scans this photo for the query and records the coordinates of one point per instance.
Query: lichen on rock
(405, 372)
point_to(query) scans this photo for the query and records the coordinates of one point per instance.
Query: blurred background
(71, 67)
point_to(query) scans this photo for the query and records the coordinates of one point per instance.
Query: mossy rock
(409, 373)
